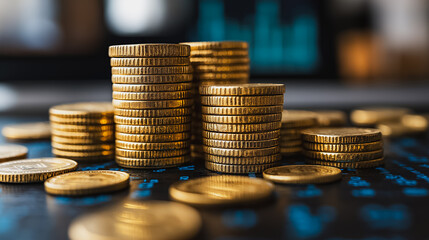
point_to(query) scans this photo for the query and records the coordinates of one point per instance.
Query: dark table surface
(385, 203)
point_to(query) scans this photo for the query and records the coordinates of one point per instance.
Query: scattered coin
(302, 174)
(374, 115)
(10, 152)
(27, 131)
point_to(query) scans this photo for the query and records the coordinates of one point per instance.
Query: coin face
(221, 190)
(139, 221)
(10, 152)
(84, 109)
(87, 182)
(302, 174)
(341, 135)
(27, 131)
(34, 170)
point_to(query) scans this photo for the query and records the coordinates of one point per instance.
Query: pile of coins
(83, 131)
(215, 63)
(343, 147)
(152, 97)
(293, 122)
(241, 126)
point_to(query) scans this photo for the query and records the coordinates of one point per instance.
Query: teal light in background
(276, 46)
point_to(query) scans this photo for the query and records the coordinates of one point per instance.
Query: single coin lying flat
(10, 152)
(27, 131)
(302, 174)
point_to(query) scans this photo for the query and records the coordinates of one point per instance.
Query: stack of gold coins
(241, 126)
(293, 122)
(343, 147)
(152, 97)
(83, 131)
(215, 63)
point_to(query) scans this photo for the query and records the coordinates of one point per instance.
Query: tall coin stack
(241, 126)
(215, 63)
(83, 131)
(343, 147)
(293, 122)
(152, 97)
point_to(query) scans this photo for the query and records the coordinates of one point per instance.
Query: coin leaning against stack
(343, 147)
(241, 126)
(83, 131)
(215, 63)
(293, 122)
(152, 99)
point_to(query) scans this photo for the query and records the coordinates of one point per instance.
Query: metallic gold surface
(82, 128)
(361, 164)
(151, 61)
(241, 110)
(83, 110)
(153, 129)
(152, 121)
(241, 144)
(10, 152)
(249, 89)
(242, 136)
(241, 128)
(341, 135)
(219, 53)
(152, 104)
(241, 152)
(344, 157)
(298, 119)
(153, 146)
(237, 169)
(331, 118)
(151, 163)
(241, 101)
(81, 121)
(374, 115)
(149, 50)
(82, 154)
(87, 182)
(357, 147)
(302, 174)
(84, 147)
(152, 95)
(152, 79)
(221, 61)
(168, 70)
(168, 112)
(243, 160)
(221, 190)
(171, 137)
(152, 87)
(203, 68)
(150, 153)
(242, 119)
(27, 131)
(217, 45)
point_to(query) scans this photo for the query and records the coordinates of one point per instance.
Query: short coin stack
(215, 63)
(343, 147)
(293, 122)
(152, 98)
(83, 131)
(241, 126)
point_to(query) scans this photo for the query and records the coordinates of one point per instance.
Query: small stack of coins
(241, 126)
(293, 122)
(83, 131)
(152, 97)
(343, 147)
(215, 63)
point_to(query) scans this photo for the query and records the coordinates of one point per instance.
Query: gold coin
(171, 137)
(152, 104)
(153, 146)
(302, 174)
(217, 45)
(241, 144)
(358, 147)
(151, 70)
(241, 110)
(242, 136)
(223, 61)
(168, 112)
(243, 160)
(331, 118)
(242, 119)
(27, 131)
(139, 62)
(83, 110)
(416, 123)
(341, 135)
(152, 79)
(10, 152)
(82, 148)
(152, 95)
(398, 129)
(237, 169)
(34, 170)
(78, 141)
(81, 121)
(374, 115)
(202, 68)
(240, 101)
(149, 50)
(241, 152)
(290, 143)
(221, 190)
(81, 154)
(361, 164)
(151, 154)
(290, 150)
(298, 119)
(138, 220)
(87, 182)
(249, 89)
(102, 136)
(152, 121)
(221, 76)
(148, 163)
(344, 157)
(219, 53)
(173, 87)
(82, 128)
(153, 129)
(241, 128)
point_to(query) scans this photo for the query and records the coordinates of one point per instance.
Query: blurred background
(331, 53)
